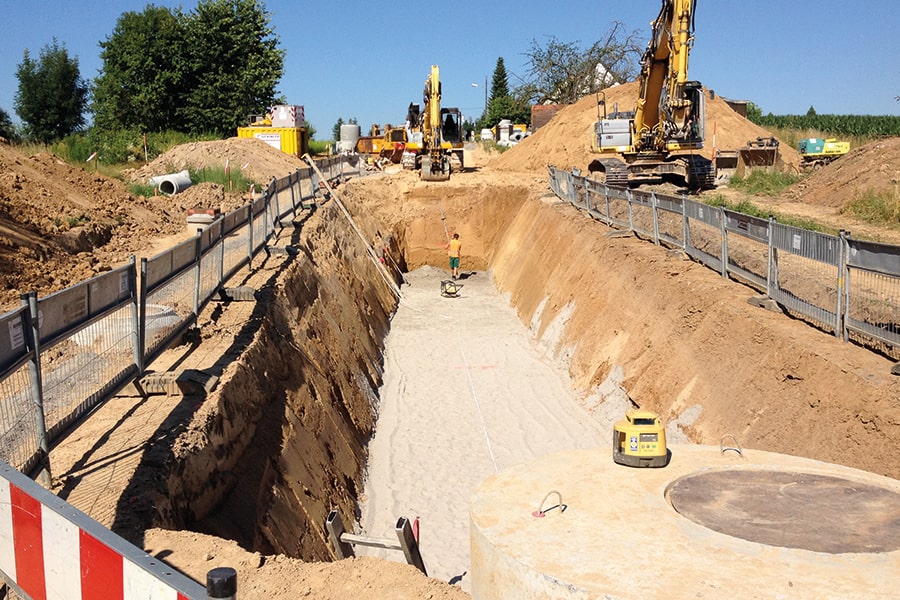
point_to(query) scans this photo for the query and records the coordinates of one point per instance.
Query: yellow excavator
(662, 138)
(435, 145)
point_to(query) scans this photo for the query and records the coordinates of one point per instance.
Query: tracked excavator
(662, 138)
(435, 145)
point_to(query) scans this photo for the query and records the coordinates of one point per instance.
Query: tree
(141, 82)
(563, 72)
(754, 112)
(811, 112)
(501, 104)
(336, 130)
(52, 97)
(233, 65)
(7, 127)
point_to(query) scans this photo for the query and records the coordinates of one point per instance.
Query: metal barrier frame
(845, 286)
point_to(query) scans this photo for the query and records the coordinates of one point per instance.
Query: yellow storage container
(290, 140)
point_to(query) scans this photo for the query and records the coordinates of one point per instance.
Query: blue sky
(368, 60)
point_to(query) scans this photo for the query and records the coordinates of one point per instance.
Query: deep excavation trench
(282, 440)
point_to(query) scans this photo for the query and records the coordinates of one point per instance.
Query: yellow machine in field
(640, 440)
(662, 138)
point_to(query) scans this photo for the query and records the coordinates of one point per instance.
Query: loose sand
(466, 394)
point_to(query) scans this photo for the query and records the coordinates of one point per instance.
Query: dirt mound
(56, 222)
(258, 160)
(566, 140)
(873, 167)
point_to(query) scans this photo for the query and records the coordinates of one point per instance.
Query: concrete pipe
(172, 183)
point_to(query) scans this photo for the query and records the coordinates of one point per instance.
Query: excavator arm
(435, 165)
(665, 107)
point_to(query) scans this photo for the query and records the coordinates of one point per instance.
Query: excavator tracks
(701, 172)
(615, 172)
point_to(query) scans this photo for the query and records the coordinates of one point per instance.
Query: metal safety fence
(63, 354)
(844, 286)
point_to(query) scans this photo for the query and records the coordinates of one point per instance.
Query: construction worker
(453, 248)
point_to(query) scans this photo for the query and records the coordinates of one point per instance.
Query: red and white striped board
(49, 549)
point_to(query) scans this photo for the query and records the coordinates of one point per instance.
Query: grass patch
(764, 183)
(879, 207)
(318, 147)
(748, 208)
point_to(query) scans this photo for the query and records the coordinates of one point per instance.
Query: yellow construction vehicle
(640, 440)
(662, 138)
(818, 152)
(435, 136)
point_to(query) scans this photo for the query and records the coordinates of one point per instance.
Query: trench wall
(281, 441)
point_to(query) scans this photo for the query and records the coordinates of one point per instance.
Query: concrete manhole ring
(791, 509)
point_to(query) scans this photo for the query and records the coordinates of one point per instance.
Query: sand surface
(466, 393)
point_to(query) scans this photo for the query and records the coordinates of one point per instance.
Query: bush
(763, 183)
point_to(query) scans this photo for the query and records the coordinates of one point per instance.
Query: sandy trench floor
(466, 394)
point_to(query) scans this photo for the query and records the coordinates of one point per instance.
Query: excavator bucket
(761, 153)
(435, 170)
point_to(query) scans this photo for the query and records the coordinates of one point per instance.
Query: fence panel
(747, 240)
(643, 211)
(670, 220)
(19, 435)
(805, 274)
(703, 234)
(873, 295)
(88, 336)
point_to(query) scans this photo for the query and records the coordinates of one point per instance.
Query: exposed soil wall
(282, 439)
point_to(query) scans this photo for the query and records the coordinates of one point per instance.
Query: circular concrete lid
(708, 525)
(791, 509)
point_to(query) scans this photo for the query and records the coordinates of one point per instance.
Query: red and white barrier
(49, 549)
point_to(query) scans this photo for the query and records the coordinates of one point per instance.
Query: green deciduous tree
(233, 65)
(564, 72)
(141, 83)
(199, 72)
(52, 98)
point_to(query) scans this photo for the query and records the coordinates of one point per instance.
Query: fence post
(33, 339)
(198, 273)
(142, 315)
(221, 254)
(295, 181)
(724, 242)
(277, 219)
(772, 272)
(137, 349)
(629, 197)
(654, 208)
(250, 239)
(606, 199)
(843, 288)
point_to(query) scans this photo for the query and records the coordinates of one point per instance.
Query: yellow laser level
(640, 440)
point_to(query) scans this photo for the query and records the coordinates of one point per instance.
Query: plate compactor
(640, 440)
(449, 288)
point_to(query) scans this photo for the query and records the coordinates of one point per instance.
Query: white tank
(349, 137)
